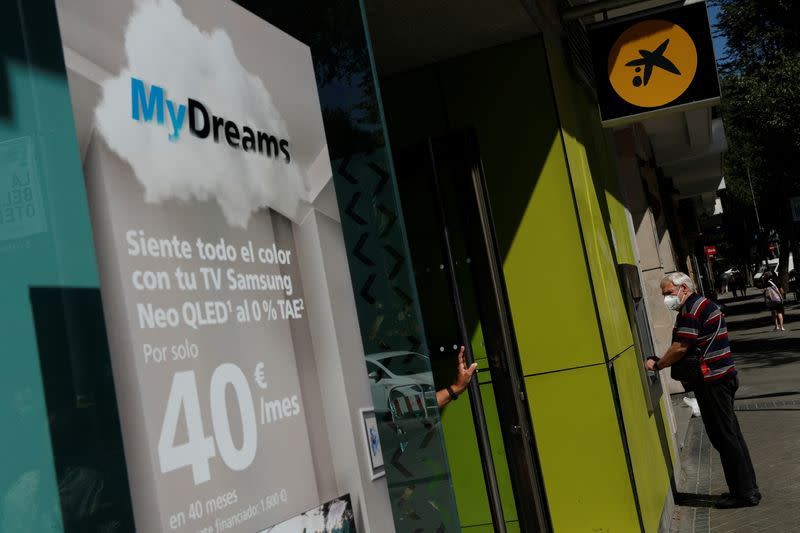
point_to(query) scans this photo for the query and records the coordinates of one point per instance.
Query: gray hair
(678, 279)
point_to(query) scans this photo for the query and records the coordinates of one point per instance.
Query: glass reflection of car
(402, 383)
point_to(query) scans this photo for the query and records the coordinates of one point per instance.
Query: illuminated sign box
(653, 64)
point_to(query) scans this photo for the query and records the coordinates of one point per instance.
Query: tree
(760, 79)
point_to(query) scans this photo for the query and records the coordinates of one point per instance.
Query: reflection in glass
(417, 470)
(82, 410)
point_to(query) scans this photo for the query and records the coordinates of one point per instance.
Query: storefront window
(229, 167)
(417, 470)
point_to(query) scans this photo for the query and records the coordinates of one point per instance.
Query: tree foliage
(760, 79)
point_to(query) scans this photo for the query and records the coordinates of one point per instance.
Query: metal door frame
(460, 148)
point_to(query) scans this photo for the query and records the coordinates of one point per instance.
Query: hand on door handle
(463, 377)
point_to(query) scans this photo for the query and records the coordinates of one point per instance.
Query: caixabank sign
(654, 63)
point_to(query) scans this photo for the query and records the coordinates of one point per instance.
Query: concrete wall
(656, 256)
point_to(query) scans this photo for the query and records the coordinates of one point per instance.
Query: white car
(402, 383)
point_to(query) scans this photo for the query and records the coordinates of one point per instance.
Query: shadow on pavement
(734, 309)
(780, 351)
(769, 395)
(757, 360)
(756, 409)
(763, 321)
(688, 499)
(750, 306)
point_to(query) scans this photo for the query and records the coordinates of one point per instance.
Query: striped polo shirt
(696, 324)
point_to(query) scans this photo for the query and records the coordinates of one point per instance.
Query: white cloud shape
(164, 48)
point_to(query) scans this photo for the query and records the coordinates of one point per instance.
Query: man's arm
(674, 353)
(462, 380)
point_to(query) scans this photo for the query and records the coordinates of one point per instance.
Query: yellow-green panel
(511, 527)
(585, 146)
(581, 453)
(650, 472)
(499, 453)
(504, 93)
(483, 528)
(465, 461)
(617, 211)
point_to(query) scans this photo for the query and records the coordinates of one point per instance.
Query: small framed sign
(372, 442)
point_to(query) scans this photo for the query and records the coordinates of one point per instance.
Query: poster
(335, 516)
(203, 148)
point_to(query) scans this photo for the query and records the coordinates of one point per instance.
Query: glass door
(463, 298)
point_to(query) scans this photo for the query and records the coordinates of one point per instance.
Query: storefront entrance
(464, 302)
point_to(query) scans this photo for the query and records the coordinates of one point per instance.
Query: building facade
(242, 244)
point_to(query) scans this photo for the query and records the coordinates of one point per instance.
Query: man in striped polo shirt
(700, 328)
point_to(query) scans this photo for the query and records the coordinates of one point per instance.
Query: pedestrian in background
(701, 358)
(734, 285)
(742, 281)
(773, 298)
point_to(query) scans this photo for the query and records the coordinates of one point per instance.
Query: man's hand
(464, 375)
(650, 365)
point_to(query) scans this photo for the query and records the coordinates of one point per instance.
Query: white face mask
(672, 301)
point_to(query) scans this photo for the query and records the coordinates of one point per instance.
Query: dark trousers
(716, 406)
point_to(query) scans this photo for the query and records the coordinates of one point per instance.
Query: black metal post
(478, 416)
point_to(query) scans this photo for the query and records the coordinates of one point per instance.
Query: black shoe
(732, 502)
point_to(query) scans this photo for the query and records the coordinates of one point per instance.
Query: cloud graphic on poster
(165, 49)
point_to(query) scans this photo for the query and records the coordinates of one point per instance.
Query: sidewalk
(768, 408)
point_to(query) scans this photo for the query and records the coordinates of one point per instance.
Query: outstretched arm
(674, 353)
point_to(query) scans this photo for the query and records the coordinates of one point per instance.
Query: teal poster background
(45, 241)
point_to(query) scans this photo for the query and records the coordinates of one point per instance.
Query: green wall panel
(581, 452)
(465, 464)
(511, 527)
(604, 221)
(503, 93)
(650, 472)
(510, 104)
(585, 145)
(499, 453)
(616, 208)
(465, 461)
